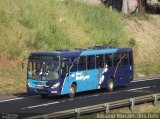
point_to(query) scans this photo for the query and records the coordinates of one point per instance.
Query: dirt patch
(12, 76)
(4, 62)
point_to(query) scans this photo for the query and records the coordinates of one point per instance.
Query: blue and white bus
(68, 72)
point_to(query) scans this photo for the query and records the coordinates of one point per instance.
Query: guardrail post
(78, 112)
(155, 99)
(132, 100)
(106, 105)
(45, 116)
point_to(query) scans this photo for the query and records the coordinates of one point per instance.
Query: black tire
(44, 95)
(110, 85)
(72, 91)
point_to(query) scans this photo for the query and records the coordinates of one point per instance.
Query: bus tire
(72, 91)
(44, 95)
(110, 85)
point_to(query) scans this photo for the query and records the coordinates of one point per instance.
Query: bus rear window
(125, 60)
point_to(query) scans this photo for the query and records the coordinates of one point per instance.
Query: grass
(39, 25)
(147, 69)
(141, 111)
(30, 27)
(101, 24)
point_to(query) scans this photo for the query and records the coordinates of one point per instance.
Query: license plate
(53, 91)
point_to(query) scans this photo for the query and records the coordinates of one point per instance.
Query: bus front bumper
(42, 91)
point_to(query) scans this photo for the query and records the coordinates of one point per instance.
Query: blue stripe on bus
(97, 52)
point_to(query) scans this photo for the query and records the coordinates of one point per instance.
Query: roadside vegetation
(46, 25)
(51, 24)
(140, 111)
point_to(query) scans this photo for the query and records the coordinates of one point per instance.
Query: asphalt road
(34, 105)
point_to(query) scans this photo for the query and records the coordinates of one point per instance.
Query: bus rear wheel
(44, 95)
(72, 91)
(110, 85)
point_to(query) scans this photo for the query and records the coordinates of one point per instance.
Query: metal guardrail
(131, 102)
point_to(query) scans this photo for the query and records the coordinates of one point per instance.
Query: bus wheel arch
(110, 84)
(73, 89)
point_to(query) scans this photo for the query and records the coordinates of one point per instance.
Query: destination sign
(44, 57)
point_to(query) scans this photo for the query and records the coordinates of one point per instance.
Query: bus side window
(73, 64)
(108, 59)
(99, 61)
(125, 60)
(91, 62)
(82, 63)
(116, 59)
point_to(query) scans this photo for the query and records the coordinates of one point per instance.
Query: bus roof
(83, 52)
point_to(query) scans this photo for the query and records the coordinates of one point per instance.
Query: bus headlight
(55, 85)
(30, 85)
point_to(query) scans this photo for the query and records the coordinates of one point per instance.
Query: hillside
(49, 25)
(46, 25)
(146, 32)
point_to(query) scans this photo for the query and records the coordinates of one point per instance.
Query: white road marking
(46, 104)
(95, 95)
(79, 98)
(71, 99)
(11, 99)
(145, 80)
(85, 97)
(138, 88)
(7, 100)
(115, 92)
(126, 90)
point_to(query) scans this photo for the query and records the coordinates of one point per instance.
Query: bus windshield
(43, 70)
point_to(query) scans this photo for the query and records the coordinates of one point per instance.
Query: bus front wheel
(110, 85)
(72, 91)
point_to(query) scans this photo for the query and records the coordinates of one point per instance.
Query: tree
(125, 7)
(141, 6)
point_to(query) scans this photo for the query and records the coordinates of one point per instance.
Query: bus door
(64, 71)
(65, 67)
